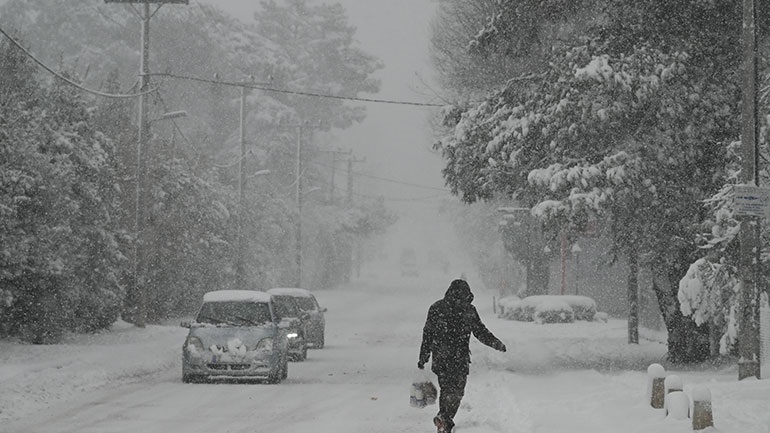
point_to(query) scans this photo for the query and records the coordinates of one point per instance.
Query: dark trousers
(452, 389)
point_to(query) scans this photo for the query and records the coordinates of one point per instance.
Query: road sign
(751, 201)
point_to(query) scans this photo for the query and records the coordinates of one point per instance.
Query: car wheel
(303, 355)
(275, 376)
(320, 342)
(280, 372)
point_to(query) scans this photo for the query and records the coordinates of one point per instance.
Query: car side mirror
(324, 309)
(185, 324)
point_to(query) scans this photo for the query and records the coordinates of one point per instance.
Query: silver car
(313, 314)
(236, 334)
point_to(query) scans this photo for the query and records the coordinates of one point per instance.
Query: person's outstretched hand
(501, 347)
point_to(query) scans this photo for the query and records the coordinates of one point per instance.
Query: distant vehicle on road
(236, 334)
(313, 314)
(295, 321)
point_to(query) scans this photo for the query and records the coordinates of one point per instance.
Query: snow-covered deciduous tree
(708, 293)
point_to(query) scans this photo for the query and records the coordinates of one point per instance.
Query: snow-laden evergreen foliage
(60, 257)
(193, 209)
(629, 122)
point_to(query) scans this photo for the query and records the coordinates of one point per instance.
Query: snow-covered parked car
(548, 308)
(315, 326)
(235, 334)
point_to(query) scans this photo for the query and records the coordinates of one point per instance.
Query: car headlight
(194, 343)
(266, 344)
(292, 335)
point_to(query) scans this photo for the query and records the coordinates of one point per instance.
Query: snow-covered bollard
(672, 383)
(701, 408)
(677, 405)
(656, 392)
(675, 397)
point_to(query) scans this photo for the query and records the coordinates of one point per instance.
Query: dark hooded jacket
(448, 329)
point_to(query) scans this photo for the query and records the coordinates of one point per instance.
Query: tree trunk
(538, 273)
(633, 297)
(687, 343)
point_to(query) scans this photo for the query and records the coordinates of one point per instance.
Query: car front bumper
(212, 365)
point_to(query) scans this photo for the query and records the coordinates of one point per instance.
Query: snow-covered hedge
(552, 310)
(547, 308)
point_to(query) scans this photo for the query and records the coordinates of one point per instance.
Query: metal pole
(299, 206)
(748, 340)
(350, 181)
(140, 285)
(577, 272)
(239, 266)
(563, 260)
(331, 182)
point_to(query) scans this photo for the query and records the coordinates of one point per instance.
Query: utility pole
(141, 241)
(357, 254)
(240, 272)
(299, 206)
(332, 181)
(351, 161)
(239, 267)
(300, 126)
(748, 340)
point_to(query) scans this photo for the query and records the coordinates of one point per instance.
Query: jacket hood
(459, 292)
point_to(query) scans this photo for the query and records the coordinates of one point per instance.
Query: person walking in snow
(446, 336)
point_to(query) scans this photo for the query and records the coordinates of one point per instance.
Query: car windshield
(306, 303)
(285, 306)
(235, 313)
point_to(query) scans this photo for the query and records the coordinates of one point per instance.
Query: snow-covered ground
(579, 377)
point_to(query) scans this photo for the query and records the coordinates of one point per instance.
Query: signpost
(750, 245)
(751, 200)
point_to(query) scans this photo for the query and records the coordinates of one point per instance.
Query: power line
(173, 121)
(293, 92)
(67, 80)
(385, 179)
(426, 198)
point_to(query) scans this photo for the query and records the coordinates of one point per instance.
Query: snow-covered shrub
(553, 310)
(508, 306)
(527, 309)
(583, 306)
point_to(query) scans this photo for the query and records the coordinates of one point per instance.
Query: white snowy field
(579, 377)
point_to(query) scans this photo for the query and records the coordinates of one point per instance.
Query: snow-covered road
(554, 378)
